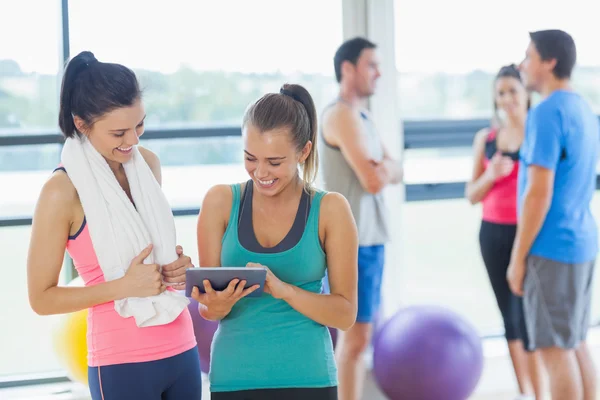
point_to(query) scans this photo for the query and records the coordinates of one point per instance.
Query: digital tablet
(220, 277)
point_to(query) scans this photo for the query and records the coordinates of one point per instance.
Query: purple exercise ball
(427, 353)
(204, 331)
(334, 333)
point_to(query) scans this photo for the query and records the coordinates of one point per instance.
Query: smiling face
(510, 96)
(272, 159)
(115, 133)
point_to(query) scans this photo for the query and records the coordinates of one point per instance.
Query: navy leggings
(172, 378)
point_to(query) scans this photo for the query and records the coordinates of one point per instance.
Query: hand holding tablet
(219, 279)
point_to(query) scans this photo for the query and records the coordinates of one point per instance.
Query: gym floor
(497, 381)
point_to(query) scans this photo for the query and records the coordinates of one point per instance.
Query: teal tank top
(264, 343)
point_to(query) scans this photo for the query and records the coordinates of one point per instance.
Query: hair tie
(290, 94)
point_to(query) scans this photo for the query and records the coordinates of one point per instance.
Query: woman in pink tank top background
(494, 183)
(103, 102)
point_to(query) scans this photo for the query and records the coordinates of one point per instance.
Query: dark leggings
(496, 242)
(327, 393)
(172, 378)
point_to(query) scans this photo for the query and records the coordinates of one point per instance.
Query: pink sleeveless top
(500, 203)
(112, 339)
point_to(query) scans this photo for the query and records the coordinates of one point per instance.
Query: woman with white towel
(104, 205)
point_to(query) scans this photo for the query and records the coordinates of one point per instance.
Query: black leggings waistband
(326, 393)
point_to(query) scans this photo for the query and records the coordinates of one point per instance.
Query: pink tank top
(112, 339)
(500, 203)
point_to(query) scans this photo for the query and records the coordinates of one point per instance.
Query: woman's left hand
(174, 273)
(274, 286)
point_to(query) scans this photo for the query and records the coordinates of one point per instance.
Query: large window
(448, 52)
(29, 62)
(29, 65)
(203, 62)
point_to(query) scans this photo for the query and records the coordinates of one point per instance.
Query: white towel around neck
(119, 230)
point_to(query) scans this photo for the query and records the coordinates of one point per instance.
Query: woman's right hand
(143, 280)
(500, 166)
(220, 303)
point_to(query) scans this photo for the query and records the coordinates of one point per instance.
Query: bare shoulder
(480, 139)
(340, 121)
(340, 113)
(481, 135)
(218, 194)
(150, 157)
(153, 162)
(218, 200)
(335, 207)
(327, 113)
(336, 219)
(332, 201)
(58, 194)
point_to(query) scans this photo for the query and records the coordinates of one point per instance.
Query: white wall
(374, 19)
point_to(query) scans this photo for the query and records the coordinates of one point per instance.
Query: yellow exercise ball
(70, 342)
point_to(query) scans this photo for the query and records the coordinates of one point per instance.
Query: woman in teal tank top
(277, 346)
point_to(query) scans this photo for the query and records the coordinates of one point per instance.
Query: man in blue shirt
(553, 257)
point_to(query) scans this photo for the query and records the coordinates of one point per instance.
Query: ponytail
(311, 164)
(91, 89)
(72, 72)
(292, 107)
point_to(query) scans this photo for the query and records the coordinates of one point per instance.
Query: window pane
(38, 157)
(452, 275)
(27, 342)
(29, 61)
(193, 166)
(201, 62)
(437, 165)
(186, 236)
(448, 74)
(440, 165)
(185, 187)
(194, 151)
(24, 169)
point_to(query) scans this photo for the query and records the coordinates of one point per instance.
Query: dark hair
(91, 88)
(350, 50)
(509, 71)
(558, 45)
(292, 107)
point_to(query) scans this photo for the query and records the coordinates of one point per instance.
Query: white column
(374, 19)
(354, 18)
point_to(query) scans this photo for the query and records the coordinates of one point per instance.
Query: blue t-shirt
(563, 134)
